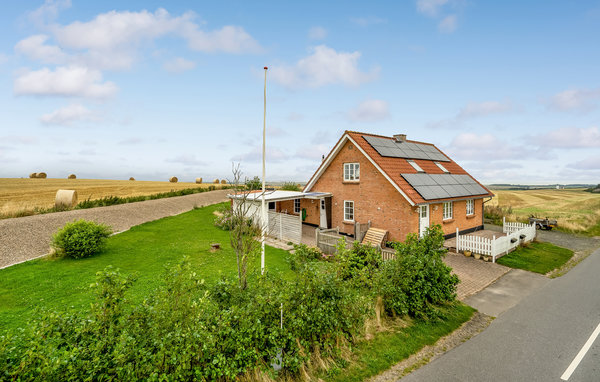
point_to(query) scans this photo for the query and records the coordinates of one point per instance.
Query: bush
(80, 239)
(358, 264)
(290, 186)
(302, 255)
(496, 213)
(417, 279)
(254, 183)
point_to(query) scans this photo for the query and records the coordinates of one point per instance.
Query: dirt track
(29, 237)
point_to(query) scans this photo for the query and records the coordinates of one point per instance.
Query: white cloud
(179, 65)
(370, 111)
(570, 138)
(575, 100)
(591, 163)
(480, 109)
(317, 33)
(487, 147)
(18, 139)
(430, 8)
(68, 115)
(274, 155)
(313, 152)
(294, 117)
(131, 141)
(229, 39)
(323, 67)
(188, 160)
(34, 47)
(448, 24)
(3, 58)
(69, 81)
(48, 11)
(366, 21)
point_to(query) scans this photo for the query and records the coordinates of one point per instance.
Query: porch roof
(280, 195)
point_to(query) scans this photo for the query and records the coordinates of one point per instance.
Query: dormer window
(415, 166)
(442, 167)
(351, 172)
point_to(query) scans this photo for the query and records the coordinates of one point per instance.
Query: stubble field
(574, 209)
(28, 194)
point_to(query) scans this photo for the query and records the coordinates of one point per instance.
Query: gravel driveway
(26, 238)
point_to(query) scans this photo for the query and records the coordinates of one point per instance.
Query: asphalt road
(536, 340)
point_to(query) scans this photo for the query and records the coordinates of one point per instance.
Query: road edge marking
(567, 374)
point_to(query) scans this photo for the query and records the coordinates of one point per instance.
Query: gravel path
(26, 238)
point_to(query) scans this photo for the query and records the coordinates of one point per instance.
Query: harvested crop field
(574, 209)
(28, 194)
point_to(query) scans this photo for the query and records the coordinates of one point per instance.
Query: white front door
(423, 219)
(323, 221)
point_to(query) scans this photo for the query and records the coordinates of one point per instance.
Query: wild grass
(575, 210)
(537, 257)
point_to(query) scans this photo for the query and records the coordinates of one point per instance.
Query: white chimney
(400, 137)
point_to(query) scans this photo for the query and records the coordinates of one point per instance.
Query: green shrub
(417, 279)
(302, 255)
(254, 183)
(358, 264)
(80, 239)
(290, 186)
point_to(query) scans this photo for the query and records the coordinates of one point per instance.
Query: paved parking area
(474, 274)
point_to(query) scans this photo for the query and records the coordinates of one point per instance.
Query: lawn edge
(469, 329)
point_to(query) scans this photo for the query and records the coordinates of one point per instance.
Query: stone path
(474, 274)
(26, 238)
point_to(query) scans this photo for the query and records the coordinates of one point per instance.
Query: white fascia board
(334, 153)
(382, 172)
(326, 163)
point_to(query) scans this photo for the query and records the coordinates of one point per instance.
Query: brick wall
(374, 197)
(459, 216)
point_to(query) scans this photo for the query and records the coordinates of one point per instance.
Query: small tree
(254, 183)
(244, 230)
(290, 186)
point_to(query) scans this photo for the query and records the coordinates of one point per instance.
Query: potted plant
(477, 256)
(467, 253)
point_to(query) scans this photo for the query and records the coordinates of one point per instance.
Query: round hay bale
(199, 180)
(72, 176)
(33, 175)
(65, 199)
(173, 179)
(223, 181)
(41, 175)
(216, 181)
(132, 178)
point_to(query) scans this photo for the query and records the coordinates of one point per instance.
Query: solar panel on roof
(409, 150)
(440, 186)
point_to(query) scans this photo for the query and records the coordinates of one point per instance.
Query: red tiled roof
(393, 167)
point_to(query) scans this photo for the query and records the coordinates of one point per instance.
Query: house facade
(395, 184)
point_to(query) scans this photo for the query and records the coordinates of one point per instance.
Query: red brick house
(398, 185)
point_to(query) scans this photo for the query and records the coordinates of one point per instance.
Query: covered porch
(285, 214)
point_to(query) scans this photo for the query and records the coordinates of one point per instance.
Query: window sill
(350, 181)
(348, 222)
(447, 221)
(470, 216)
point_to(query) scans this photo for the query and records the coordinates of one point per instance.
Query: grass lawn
(61, 284)
(537, 257)
(388, 348)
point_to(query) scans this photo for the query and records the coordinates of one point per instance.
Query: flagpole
(263, 210)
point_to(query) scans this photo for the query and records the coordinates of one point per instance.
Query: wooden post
(493, 249)
(280, 226)
(317, 237)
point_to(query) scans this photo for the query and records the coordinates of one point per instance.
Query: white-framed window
(415, 165)
(441, 167)
(351, 172)
(447, 210)
(470, 207)
(349, 210)
(297, 206)
(423, 211)
(271, 206)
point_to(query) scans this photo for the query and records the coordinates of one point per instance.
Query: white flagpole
(264, 211)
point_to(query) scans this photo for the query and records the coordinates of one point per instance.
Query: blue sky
(152, 89)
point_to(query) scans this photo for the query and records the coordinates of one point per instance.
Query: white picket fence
(497, 245)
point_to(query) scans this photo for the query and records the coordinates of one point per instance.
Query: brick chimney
(400, 137)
